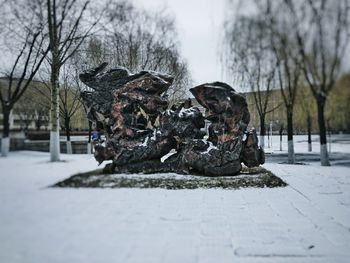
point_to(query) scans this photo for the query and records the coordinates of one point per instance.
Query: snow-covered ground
(307, 221)
(340, 143)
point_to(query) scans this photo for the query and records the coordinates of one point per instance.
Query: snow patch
(144, 144)
(185, 113)
(172, 152)
(169, 112)
(211, 147)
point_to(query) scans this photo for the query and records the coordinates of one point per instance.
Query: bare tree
(69, 99)
(321, 28)
(280, 131)
(27, 52)
(78, 85)
(140, 40)
(247, 54)
(288, 63)
(66, 32)
(309, 40)
(307, 107)
(69, 102)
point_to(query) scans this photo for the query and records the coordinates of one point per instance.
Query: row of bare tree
(54, 40)
(288, 44)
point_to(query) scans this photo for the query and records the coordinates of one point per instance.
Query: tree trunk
(291, 155)
(329, 141)
(281, 133)
(69, 147)
(67, 128)
(321, 102)
(89, 147)
(38, 125)
(262, 131)
(270, 134)
(5, 141)
(38, 121)
(309, 132)
(54, 115)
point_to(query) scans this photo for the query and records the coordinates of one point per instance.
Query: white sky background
(199, 24)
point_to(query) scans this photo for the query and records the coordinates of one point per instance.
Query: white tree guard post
(291, 155)
(89, 148)
(262, 141)
(5, 146)
(54, 146)
(271, 134)
(324, 155)
(69, 147)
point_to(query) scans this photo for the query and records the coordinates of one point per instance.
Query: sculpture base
(249, 177)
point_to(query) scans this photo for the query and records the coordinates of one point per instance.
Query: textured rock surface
(140, 129)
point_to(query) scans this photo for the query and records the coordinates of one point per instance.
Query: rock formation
(141, 130)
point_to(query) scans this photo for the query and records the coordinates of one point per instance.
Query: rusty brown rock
(140, 129)
(252, 155)
(226, 109)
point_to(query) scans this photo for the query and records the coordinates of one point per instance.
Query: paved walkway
(308, 221)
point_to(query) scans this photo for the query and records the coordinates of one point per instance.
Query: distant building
(32, 111)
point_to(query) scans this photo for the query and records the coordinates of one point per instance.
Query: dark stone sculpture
(140, 129)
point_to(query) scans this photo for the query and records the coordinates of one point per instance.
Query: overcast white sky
(199, 26)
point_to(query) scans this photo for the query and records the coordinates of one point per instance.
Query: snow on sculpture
(140, 129)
